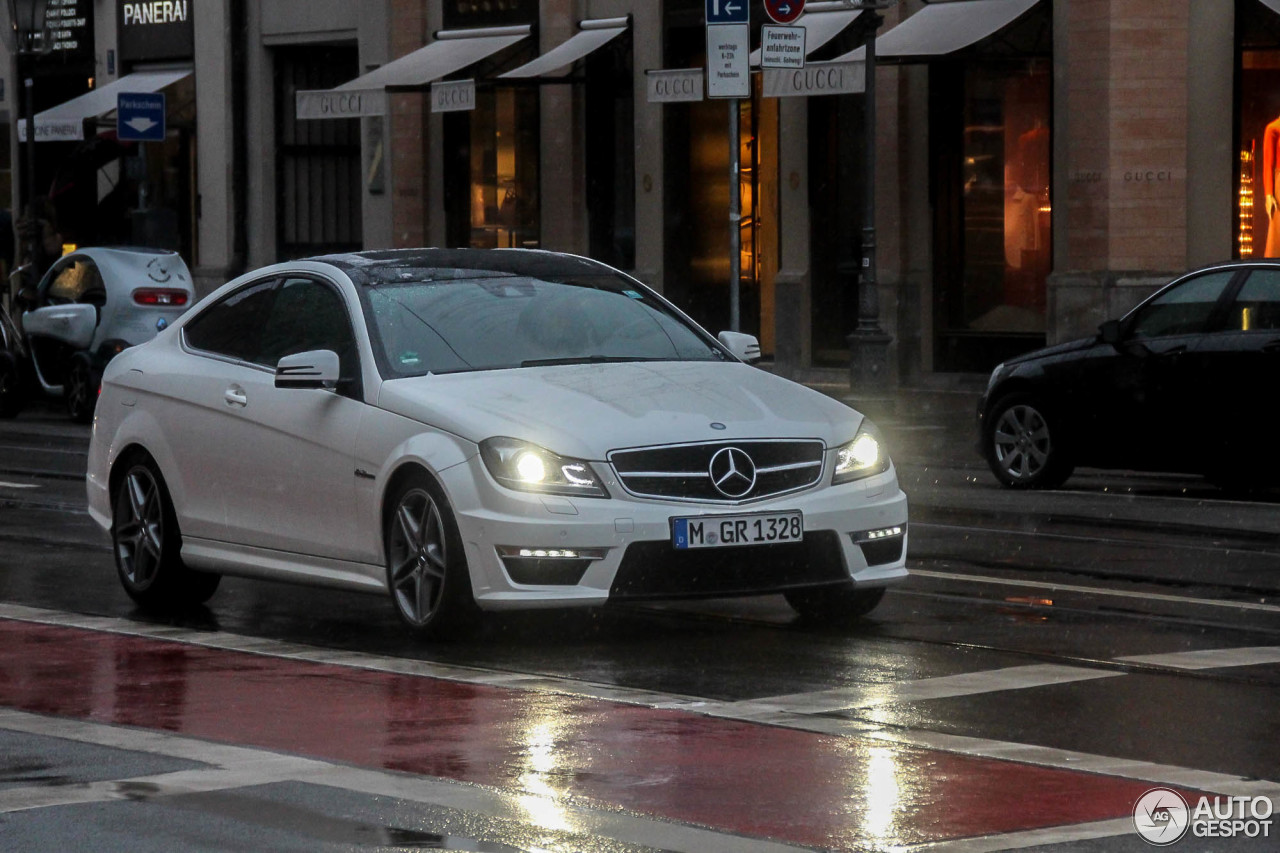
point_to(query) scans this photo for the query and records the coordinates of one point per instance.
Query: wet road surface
(1053, 657)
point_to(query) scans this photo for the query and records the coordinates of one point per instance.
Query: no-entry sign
(783, 11)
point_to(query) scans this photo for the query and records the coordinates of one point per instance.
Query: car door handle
(235, 396)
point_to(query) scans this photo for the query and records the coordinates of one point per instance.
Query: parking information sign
(728, 49)
(140, 117)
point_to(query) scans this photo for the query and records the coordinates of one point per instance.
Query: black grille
(545, 572)
(657, 570)
(882, 551)
(682, 472)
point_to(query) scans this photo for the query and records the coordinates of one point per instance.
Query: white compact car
(91, 305)
(481, 430)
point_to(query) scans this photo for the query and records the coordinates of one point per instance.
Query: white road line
(942, 687)
(1097, 590)
(1093, 540)
(1210, 658)
(236, 767)
(747, 712)
(1029, 838)
(4, 485)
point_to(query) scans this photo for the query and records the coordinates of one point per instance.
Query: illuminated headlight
(529, 468)
(862, 457)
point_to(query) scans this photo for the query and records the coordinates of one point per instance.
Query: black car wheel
(147, 543)
(835, 607)
(81, 391)
(10, 386)
(427, 571)
(1023, 446)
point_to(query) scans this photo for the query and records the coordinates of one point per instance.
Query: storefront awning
(452, 51)
(592, 34)
(940, 29)
(820, 27)
(65, 122)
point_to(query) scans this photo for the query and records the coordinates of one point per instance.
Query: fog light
(882, 533)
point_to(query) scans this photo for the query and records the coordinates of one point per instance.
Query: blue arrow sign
(728, 12)
(140, 117)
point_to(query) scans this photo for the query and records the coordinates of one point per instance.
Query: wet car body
(462, 450)
(91, 305)
(1182, 383)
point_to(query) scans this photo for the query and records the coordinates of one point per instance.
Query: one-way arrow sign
(728, 11)
(783, 11)
(140, 117)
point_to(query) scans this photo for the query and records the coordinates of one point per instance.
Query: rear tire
(839, 606)
(1024, 444)
(148, 544)
(427, 572)
(82, 391)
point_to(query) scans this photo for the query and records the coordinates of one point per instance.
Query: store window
(990, 156)
(1256, 219)
(610, 154)
(319, 181)
(491, 171)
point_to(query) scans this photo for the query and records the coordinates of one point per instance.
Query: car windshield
(448, 321)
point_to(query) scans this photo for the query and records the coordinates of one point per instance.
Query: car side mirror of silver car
(314, 369)
(1110, 332)
(744, 346)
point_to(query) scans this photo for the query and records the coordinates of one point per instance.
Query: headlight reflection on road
(882, 791)
(541, 802)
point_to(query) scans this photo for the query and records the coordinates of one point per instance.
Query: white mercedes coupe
(473, 430)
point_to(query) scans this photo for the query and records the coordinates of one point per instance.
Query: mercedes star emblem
(732, 472)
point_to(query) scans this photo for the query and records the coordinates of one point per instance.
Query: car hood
(1056, 349)
(589, 409)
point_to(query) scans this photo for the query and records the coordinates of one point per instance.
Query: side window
(1257, 305)
(307, 315)
(77, 280)
(233, 326)
(1184, 310)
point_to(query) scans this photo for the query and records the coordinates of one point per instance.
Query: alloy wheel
(139, 531)
(418, 557)
(1021, 442)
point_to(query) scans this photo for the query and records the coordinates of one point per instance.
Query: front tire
(837, 607)
(81, 391)
(427, 572)
(148, 544)
(1024, 445)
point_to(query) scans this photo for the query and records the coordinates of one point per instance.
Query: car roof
(378, 267)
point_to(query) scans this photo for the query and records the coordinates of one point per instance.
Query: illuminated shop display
(1245, 236)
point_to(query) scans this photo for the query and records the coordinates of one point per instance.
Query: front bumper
(629, 543)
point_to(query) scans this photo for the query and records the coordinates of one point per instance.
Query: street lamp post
(868, 344)
(26, 20)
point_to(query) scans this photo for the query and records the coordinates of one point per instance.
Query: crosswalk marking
(1210, 658)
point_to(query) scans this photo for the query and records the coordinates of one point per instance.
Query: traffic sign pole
(730, 18)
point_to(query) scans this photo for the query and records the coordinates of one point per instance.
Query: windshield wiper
(587, 359)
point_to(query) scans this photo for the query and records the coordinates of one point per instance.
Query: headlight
(529, 468)
(864, 456)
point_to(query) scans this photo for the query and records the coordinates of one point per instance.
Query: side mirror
(314, 369)
(744, 346)
(1109, 332)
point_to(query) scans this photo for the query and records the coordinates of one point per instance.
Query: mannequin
(1270, 142)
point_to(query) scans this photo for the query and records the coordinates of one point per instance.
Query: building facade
(1041, 164)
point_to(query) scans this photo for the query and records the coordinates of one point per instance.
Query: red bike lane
(756, 780)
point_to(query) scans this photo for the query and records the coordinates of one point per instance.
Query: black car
(1185, 383)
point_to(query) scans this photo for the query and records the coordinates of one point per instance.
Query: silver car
(91, 305)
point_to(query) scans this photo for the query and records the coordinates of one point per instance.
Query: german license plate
(723, 531)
